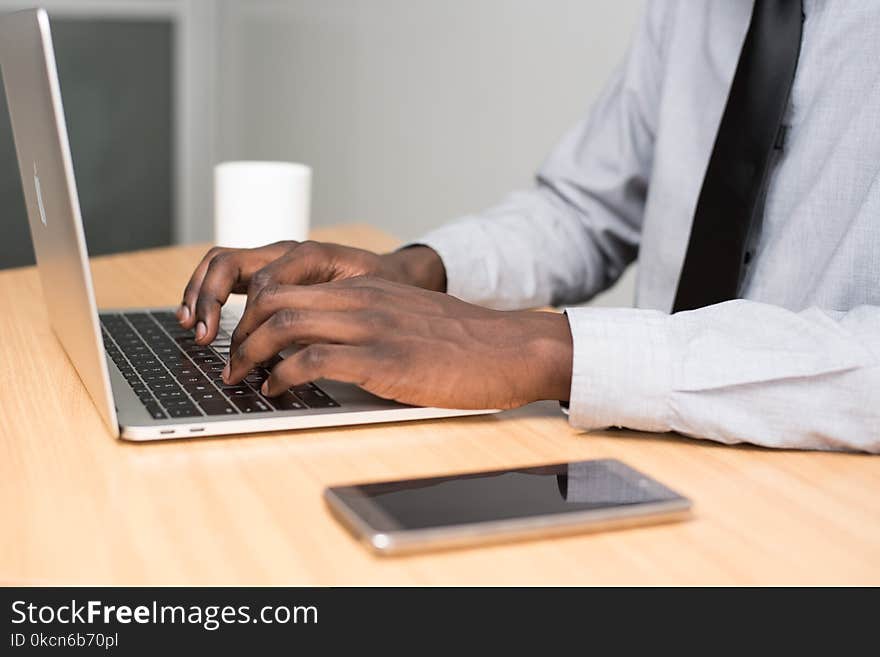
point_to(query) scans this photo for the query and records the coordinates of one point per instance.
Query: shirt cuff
(622, 368)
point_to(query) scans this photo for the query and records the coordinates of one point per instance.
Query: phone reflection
(589, 481)
(584, 482)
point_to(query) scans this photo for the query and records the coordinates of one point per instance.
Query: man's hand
(224, 271)
(404, 343)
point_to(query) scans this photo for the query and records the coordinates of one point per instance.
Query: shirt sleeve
(574, 233)
(736, 372)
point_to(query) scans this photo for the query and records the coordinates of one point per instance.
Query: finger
(306, 264)
(288, 327)
(345, 295)
(347, 363)
(228, 271)
(186, 312)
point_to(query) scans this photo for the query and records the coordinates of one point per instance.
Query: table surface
(79, 507)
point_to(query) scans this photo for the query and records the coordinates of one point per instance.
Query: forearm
(533, 249)
(736, 372)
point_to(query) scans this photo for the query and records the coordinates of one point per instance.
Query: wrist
(550, 353)
(418, 265)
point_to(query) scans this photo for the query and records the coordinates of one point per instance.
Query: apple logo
(39, 196)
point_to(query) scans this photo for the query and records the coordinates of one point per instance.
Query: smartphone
(441, 512)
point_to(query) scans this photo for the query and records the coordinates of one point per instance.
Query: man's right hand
(224, 271)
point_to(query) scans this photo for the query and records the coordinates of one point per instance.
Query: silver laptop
(147, 377)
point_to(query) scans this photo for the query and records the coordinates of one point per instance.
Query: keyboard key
(168, 395)
(176, 361)
(180, 402)
(238, 391)
(252, 404)
(155, 411)
(184, 370)
(188, 411)
(143, 361)
(159, 386)
(126, 345)
(198, 389)
(314, 397)
(155, 377)
(216, 407)
(206, 395)
(175, 356)
(256, 377)
(204, 361)
(183, 365)
(287, 402)
(192, 379)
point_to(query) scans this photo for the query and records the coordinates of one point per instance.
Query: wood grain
(77, 506)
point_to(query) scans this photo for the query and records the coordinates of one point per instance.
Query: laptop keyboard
(176, 378)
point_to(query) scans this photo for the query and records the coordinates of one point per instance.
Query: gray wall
(412, 112)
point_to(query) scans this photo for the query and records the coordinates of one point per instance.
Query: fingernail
(201, 330)
(225, 374)
(183, 312)
(265, 388)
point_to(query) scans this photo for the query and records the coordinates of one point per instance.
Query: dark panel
(116, 85)
(15, 238)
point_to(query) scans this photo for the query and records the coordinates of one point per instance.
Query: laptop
(146, 375)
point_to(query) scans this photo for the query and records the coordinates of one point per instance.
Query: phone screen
(508, 494)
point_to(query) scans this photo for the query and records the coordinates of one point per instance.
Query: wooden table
(77, 506)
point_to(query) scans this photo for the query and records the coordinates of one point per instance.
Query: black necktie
(740, 158)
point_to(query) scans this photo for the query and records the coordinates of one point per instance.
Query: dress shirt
(796, 361)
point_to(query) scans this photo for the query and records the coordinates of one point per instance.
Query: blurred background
(411, 112)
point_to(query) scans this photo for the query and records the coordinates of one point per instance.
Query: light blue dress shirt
(796, 362)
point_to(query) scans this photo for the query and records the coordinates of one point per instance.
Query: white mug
(257, 203)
